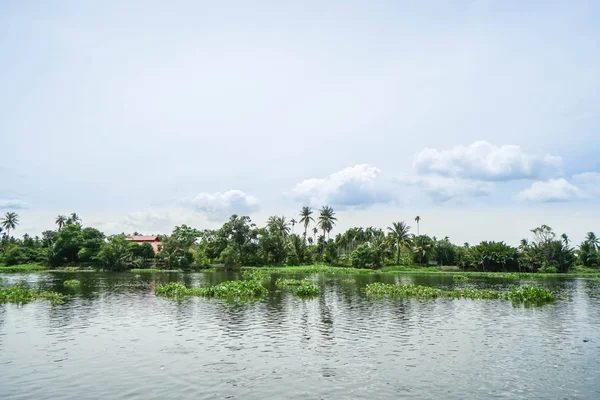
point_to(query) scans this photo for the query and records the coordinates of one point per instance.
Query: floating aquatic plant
(284, 282)
(460, 278)
(533, 294)
(306, 290)
(19, 294)
(247, 288)
(71, 283)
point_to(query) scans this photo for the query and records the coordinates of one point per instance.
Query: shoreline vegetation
(276, 247)
(454, 272)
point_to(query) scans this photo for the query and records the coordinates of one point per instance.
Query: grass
(153, 270)
(21, 295)
(523, 294)
(227, 289)
(23, 268)
(71, 283)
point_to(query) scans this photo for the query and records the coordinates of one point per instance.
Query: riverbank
(326, 269)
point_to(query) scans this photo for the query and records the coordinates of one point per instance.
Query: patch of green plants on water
(460, 278)
(71, 283)
(23, 268)
(255, 274)
(67, 269)
(527, 294)
(19, 294)
(284, 282)
(227, 289)
(153, 270)
(306, 289)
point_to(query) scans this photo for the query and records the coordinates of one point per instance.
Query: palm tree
(61, 221)
(565, 239)
(417, 220)
(327, 219)
(306, 214)
(10, 221)
(592, 240)
(278, 225)
(399, 233)
(315, 231)
(73, 219)
(293, 222)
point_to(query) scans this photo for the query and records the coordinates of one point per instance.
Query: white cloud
(14, 204)
(486, 162)
(441, 188)
(221, 205)
(589, 182)
(552, 190)
(353, 187)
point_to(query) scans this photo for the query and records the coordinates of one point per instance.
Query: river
(116, 340)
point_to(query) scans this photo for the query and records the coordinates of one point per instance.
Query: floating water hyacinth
(532, 294)
(71, 283)
(21, 295)
(247, 288)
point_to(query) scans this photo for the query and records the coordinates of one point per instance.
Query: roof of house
(143, 238)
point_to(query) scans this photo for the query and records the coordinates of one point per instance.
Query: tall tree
(306, 217)
(10, 221)
(278, 225)
(592, 240)
(327, 219)
(315, 231)
(565, 239)
(60, 221)
(73, 219)
(417, 220)
(293, 222)
(399, 232)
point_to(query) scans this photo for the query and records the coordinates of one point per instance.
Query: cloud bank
(220, 205)
(358, 186)
(485, 162)
(552, 190)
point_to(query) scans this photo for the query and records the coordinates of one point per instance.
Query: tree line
(239, 241)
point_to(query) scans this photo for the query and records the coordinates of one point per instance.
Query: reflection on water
(115, 339)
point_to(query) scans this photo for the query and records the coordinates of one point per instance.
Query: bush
(362, 256)
(548, 269)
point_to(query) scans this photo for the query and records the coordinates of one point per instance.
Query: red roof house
(154, 241)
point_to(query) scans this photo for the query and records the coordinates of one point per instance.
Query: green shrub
(547, 269)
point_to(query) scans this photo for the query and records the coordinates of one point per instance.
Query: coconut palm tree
(315, 231)
(10, 221)
(306, 217)
(293, 222)
(73, 219)
(592, 240)
(399, 233)
(565, 239)
(417, 220)
(60, 221)
(278, 225)
(327, 219)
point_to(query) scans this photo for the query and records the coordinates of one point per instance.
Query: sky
(482, 117)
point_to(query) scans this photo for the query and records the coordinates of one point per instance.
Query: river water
(114, 339)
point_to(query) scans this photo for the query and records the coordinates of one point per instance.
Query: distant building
(154, 241)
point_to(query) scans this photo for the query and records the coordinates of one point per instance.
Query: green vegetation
(240, 242)
(228, 289)
(153, 270)
(526, 294)
(21, 295)
(255, 274)
(309, 269)
(284, 282)
(306, 290)
(71, 283)
(23, 268)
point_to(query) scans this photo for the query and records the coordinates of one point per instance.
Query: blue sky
(480, 116)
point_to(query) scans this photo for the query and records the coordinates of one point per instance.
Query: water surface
(115, 339)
